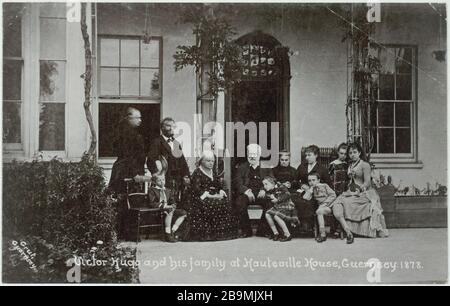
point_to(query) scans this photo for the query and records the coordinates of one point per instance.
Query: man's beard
(254, 162)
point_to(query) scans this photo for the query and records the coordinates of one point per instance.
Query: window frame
(399, 158)
(129, 98)
(40, 58)
(107, 161)
(18, 148)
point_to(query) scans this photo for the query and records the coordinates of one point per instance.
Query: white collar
(159, 188)
(166, 138)
(210, 175)
(312, 166)
(253, 166)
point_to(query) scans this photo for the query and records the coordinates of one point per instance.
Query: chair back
(137, 200)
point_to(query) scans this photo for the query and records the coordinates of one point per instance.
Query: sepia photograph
(224, 143)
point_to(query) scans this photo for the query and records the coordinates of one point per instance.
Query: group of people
(198, 206)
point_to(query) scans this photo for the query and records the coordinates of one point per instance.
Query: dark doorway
(255, 102)
(263, 93)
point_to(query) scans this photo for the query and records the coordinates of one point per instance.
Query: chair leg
(316, 227)
(163, 231)
(138, 232)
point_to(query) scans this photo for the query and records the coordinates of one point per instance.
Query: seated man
(248, 189)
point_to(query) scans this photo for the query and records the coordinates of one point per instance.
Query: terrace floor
(407, 256)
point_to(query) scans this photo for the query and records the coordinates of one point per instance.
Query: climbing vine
(217, 59)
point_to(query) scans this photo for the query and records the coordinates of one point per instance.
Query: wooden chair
(140, 215)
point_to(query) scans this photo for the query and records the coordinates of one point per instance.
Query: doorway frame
(285, 80)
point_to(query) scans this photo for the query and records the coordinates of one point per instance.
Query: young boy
(324, 196)
(159, 196)
(283, 209)
(338, 170)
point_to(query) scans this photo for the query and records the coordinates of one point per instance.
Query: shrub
(59, 210)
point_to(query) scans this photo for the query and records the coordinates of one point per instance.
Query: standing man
(166, 152)
(129, 147)
(248, 189)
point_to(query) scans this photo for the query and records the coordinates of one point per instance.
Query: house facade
(306, 93)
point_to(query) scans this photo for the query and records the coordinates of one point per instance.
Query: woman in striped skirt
(359, 207)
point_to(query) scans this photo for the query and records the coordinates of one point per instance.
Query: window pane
(53, 81)
(385, 114)
(373, 115)
(404, 87)
(12, 29)
(403, 114)
(52, 127)
(150, 54)
(52, 10)
(11, 122)
(109, 81)
(129, 82)
(403, 140)
(53, 39)
(150, 82)
(404, 60)
(110, 116)
(129, 53)
(386, 87)
(387, 60)
(109, 52)
(386, 140)
(12, 80)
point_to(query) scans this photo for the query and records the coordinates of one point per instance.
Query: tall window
(129, 76)
(12, 76)
(394, 118)
(52, 70)
(129, 68)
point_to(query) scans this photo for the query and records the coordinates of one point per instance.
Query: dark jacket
(286, 174)
(129, 147)
(177, 165)
(302, 174)
(154, 197)
(241, 178)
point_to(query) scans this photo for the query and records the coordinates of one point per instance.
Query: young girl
(283, 209)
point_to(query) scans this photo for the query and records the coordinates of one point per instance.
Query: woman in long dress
(210, 217)
(359, 208)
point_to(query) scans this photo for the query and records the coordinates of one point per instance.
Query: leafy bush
(59, 210)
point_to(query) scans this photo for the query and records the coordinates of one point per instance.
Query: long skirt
(212, 219)
(363, 213)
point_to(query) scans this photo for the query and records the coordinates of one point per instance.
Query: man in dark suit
(307, 208)
(166, 149)
(129, 147)
(248, 189)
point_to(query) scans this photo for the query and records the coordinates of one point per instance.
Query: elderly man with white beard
(248, 189)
